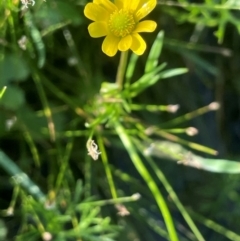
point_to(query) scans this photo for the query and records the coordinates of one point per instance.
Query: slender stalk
(191, 115)
(64, 165)
(118, 200)
(141, 168)
(32, 146)
(175, 198)
(107, 168)
(121, 69)
(215, 226)
(46, 109)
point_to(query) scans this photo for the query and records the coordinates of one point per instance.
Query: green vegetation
(99, 148)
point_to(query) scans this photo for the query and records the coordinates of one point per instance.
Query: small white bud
(191, 131)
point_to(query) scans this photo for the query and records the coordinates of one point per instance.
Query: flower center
(121, 23)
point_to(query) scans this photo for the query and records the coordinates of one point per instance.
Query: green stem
(121, 68)
(141, 168)
(215, 226)
(119, 200)
(175, 198)
(64, 165)
(46, 109)
(107, 168)
(32, 146)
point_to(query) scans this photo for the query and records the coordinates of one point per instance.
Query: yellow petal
(119, 4)
(138, 44)
(97, 29)
(110, 45)
(141, 3)
(96, 12)
(145, 26)
(125, 3)
(125, 43)
(108, 5)
(132, 5)
(145, 9)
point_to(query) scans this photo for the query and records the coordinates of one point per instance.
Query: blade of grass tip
(46, 109)
(173, 72)
(148, 179)
(173, 195)
(215, 226)
(2, 91)
(106, 167)
(155, 52)
(20, 177)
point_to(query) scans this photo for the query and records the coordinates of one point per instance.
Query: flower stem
(121, 68)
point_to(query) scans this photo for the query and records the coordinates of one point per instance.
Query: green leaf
(146, 80)
(214, 165)
(143, 171)
(175, 152)
(155, 52)
(153, 77)
(131, 67)
(173, 72)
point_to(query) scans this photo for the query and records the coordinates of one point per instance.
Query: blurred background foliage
(169, 141)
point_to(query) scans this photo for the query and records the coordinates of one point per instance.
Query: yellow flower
(120, 23)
